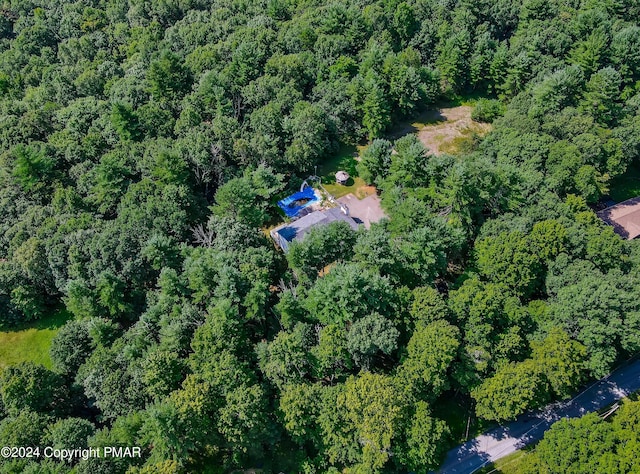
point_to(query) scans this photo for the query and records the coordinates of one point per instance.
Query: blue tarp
(291, 205)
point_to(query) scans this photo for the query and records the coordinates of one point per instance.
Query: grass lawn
(31, 342)
(345, 160)
(507, 465)
(626, 186)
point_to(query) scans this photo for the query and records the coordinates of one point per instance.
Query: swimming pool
(293, 204)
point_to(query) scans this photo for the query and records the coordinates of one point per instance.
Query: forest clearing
(30, 342)
(450, 129)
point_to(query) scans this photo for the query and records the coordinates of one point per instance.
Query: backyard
(443, 130)
(344, 160)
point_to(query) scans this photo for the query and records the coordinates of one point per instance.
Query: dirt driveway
(364, 211)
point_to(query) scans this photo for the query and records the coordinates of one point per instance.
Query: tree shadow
(56, 319)
(347, 183)
(426, 117)
(467, 458)
(343, 159)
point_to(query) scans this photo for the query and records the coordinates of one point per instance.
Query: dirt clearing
(445, 130)
(449, 129)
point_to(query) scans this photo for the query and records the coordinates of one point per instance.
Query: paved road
(501, 441)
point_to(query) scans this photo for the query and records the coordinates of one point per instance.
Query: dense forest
(144, 145)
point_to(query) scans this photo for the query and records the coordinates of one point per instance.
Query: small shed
(342, 177)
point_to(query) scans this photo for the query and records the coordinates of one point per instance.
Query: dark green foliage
(598, 311)
(245, 199)
(144, 148)
(349, 292)
(162, 373)
(427, 306)
(487, 110)
(25, 428)
(507, 259)
(373, 406)
(601, 95)
(320, 247)
(492, 320)
(284, 360)
(168, 78)
(125, 122)
(375, 161)
(586, 444)
(311, 137)
(556, 367)
(426, 437)
(69, 432)
(514, 389)
(331, 357)
(369, 336)
(376, 112)
(71, 346)
(575, 445)
(32, 167)
(32, 387)
(430, 352)
(299, 406)
(562, 362)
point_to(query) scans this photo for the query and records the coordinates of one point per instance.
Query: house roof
(297, 229)
(624, 217)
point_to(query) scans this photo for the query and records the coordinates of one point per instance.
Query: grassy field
(626, 186)
(31, 342)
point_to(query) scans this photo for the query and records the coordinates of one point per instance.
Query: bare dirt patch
(445, 130)
(452, 128)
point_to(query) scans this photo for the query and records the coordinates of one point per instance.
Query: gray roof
(297, 229)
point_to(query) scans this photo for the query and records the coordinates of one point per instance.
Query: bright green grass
(354, 186)
(626, 186)
(345, 160)
(509, 464)
(30, 342)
